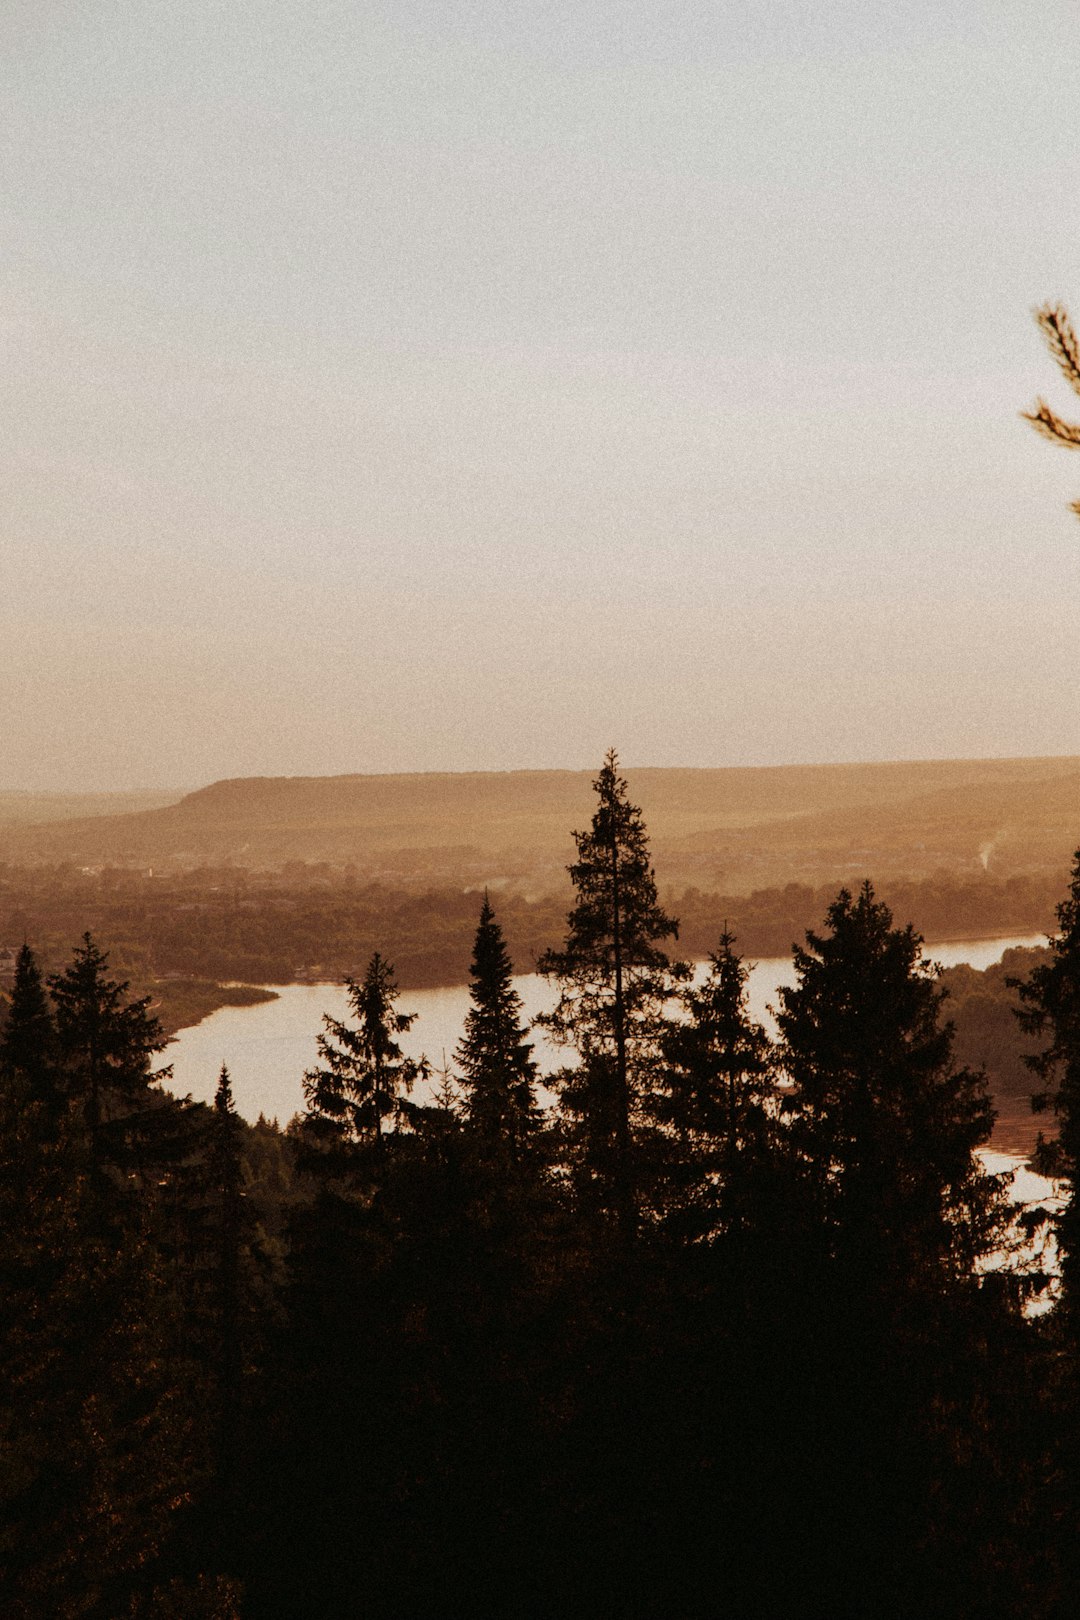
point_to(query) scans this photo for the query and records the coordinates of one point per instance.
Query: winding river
(267, 1047)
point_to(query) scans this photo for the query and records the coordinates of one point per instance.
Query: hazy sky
(406, 386)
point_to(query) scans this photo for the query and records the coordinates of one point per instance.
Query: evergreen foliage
(897, 1214)
(1060, 339)
(102, 1447)
(364, 1077)
(231, 1390)
(28, 1037)
(498, 1072)
(107, 1044)
(1050, 1009)
(885, 1122)
(716, 1093)
(228, 1231)
(615, 981)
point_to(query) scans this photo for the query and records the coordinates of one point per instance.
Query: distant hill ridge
(28, 805)
(725, 826)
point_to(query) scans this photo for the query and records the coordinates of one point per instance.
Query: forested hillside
(741, 1325)
(727, 830)
(215, 925)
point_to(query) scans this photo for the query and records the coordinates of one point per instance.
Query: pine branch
(1061, 341)
(1044, 421)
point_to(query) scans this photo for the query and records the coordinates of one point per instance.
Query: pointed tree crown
(1050, 1008)
(495, 1058)
(886, 1122)
(28, 1034)
(616, 921)
(719, 1058)
(363, 1074)
(104, 1037)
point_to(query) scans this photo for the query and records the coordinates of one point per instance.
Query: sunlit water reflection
(268, 1047)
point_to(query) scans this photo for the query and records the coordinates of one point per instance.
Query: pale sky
(415, 386)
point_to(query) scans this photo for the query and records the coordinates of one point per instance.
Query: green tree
(614, 980)
(363, 1076)
(498, 1072)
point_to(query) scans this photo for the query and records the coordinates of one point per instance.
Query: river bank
(267, 1043)
(180, 1004)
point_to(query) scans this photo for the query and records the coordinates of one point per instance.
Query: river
(267, 1047)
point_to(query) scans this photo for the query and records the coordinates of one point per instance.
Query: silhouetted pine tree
(363, 1076)
(1050, 1007)
(28, 1035)
(899, 1213)
(886, 1121)
(107, 1044)
(614, 982)
(716, 1087)
(225, 1177)
(495, 1059)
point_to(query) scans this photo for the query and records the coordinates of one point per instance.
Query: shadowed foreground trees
(363, 1077)
(344, 1370)
(107, 1044)
(494, 1057)
(899, 1212)
(614, 982)
(103, 1445)
(1050, 1009)
(884, 1120)
(716, 1101)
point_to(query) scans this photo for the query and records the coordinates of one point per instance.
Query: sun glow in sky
(401, 386)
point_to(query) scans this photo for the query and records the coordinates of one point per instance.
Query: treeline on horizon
(317, 921)
(739, 1327)
(206, 938)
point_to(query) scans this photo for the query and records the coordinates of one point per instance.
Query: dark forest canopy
(723, 1332)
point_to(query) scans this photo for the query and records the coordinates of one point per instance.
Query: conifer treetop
(495, 1058)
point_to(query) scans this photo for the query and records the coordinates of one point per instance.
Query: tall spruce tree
(1050, 1007)
(716, 1091)
(885, 1305)
(885, 1121)
(226, 1187)
(363, 1076)
(107, 1044)
(28, 1053)
(614, 980)
(498, 1072)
